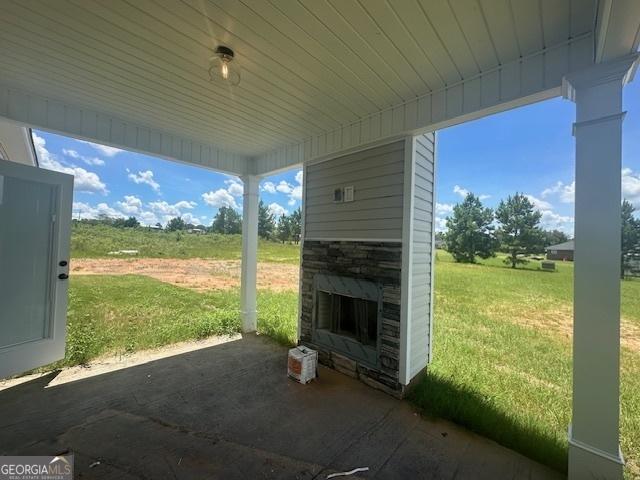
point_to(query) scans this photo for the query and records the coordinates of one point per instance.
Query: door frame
(29, 355)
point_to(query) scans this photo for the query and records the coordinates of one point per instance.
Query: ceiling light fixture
(221, 67)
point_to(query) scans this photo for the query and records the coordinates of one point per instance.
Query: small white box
(302, 364)
(348, 194)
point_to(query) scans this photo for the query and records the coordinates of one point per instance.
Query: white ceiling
(308, 66)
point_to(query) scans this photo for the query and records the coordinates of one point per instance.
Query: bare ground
(560, 321)
(205, 274)
(195, 273)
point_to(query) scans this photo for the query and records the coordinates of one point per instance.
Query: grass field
(502, 357)
(122, 314)
(502, 346)
(96, 241)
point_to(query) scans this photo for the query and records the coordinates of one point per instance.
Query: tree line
(474, 230)
(285, 228)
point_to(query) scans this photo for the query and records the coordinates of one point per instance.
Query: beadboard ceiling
(308, 66)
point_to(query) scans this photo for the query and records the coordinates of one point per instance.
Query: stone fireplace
(351, 307)
(365, 286)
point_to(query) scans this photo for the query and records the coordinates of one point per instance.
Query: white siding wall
(15, 144)
(375, 214)
(421, 259)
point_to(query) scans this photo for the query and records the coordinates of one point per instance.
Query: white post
(594, 450)
(249, 274)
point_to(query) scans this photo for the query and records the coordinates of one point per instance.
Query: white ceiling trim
(39, 111)
(531, 78)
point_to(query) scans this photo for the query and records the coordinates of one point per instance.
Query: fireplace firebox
(346, 316)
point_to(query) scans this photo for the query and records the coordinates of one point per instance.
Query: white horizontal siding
(421, 259)
(68, 119)
(533, 77)
(376, 212)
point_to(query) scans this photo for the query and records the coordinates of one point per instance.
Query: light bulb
(221, 68)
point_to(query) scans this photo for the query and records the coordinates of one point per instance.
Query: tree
(266, 221)
(554, 237)
(295, 224)
(630, 233)
(284, 228)
(470, 231)
(519, 231)
(131, 222)
(175, 224)
(227, 221)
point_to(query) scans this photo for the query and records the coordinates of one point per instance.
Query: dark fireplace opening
(356, 318)
(347, 317)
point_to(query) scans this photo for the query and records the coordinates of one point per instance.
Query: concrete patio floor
(230, 412)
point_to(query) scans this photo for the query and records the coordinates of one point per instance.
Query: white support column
(594, 450)
(248, 278)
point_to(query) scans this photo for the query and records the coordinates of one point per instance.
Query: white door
(35, 220)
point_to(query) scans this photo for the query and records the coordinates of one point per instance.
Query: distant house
(561, 251)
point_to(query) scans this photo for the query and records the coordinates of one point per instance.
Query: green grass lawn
(502, 337)
(122, 314)
(502, 357)
(96, 241)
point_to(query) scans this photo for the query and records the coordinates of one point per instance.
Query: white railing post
(594, 450)
(248, 277)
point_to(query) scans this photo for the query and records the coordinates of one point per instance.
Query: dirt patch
(559, 321)
(195, 273)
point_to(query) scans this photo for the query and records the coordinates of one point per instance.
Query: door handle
(63, 276)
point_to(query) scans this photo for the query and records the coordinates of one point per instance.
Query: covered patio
(228, 411)
(354, 92)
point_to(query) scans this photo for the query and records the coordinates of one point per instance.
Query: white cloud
(70, 153)
(294, 192)
(171, 210)
(277, 210)
(84, 210)
(269, 187)
(145, 177)
(444, 209)
(539, 204)
(185, 204)
(553, 221)
(131, 205)
(88, 160)
(566, 193)
(220, 198)
(295, 195)
(284, 187)
(104, 149)
(631, 186)
(441, 224)
(463, 192)
(93, 161)
(84, 181)
(235, 188)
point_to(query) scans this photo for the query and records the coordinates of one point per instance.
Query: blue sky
(529, 150)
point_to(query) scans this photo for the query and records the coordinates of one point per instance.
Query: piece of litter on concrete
(350, 472)
(180, 461)
(94, 464)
